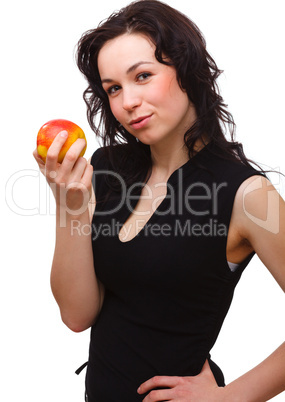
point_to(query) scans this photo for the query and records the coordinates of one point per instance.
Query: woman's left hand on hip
(200, 388)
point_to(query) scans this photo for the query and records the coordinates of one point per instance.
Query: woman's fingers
(87, 176)
(159, 381)
(163, 395)
(68, 169)
(78, 173)
(37, 157)
(72, 156)
(71, 179)
(54, 149)
(39, 161)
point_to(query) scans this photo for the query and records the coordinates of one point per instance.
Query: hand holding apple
(49, 131)
(64, 174)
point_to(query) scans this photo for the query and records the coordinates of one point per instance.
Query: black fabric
(168, 289)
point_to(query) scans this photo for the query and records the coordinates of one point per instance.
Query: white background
(39, 82)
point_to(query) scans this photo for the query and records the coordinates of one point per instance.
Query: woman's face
(144, 94)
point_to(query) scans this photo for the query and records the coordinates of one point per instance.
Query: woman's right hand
(71, 180)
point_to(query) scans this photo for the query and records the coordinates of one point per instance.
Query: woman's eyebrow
(136, 65)
(129, 70)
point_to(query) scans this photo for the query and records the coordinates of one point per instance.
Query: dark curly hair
(180, 40)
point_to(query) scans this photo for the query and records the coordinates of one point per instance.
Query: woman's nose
(131, 100)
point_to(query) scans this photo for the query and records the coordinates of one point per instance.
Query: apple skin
(49, 131)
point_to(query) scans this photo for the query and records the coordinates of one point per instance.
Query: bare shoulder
(258, 205)
(259, 217)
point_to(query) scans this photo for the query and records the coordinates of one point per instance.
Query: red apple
(49, 131)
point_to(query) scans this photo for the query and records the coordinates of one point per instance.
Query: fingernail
(64, 134)
(139, 388)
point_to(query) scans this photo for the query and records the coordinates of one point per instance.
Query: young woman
(153, 267)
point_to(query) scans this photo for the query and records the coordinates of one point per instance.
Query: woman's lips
(140, 123)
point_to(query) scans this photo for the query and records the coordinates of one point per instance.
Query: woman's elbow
(78, 325)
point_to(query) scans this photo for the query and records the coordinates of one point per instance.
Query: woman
(177, 218)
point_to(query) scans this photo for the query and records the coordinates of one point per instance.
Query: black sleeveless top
(168, 289)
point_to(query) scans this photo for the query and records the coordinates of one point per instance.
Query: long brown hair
(181, 41)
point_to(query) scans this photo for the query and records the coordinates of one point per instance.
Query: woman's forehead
(125, 51)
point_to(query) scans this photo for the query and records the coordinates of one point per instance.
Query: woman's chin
(147, 140)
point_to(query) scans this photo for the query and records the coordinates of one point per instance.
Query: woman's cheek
(161, 95)
(160, 92)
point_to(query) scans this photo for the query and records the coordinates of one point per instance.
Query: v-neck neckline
(183, 171)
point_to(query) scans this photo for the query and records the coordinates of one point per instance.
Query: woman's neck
(165, 160)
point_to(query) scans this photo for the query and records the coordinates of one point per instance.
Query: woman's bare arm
(73, 281)
(259, 216)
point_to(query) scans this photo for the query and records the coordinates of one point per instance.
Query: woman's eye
(143, 76)
(113, 89)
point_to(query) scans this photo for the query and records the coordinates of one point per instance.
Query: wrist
(72, 201)
(228, 395)
(66, 217)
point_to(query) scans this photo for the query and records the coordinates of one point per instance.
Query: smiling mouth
(140, 122)
(139, 119)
